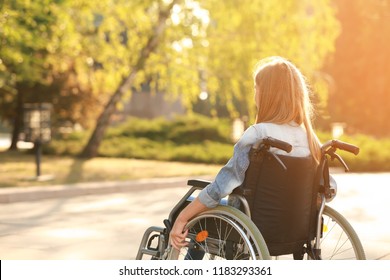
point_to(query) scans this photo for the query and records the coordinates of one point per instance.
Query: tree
(25, 30)
(107, 49)
(40, 62)
(86, 53)
(127, 81)
(360, 67)
(242, 32)
(210, 45)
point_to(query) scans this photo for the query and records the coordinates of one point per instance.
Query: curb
(11, 195)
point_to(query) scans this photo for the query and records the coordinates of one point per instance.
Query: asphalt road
(110, 226)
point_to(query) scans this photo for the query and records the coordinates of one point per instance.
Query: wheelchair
(279, 212)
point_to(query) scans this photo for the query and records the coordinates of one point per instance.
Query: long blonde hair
(283, 96)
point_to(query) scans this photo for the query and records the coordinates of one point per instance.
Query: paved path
(110, 225)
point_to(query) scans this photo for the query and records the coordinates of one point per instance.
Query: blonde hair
(283, 96)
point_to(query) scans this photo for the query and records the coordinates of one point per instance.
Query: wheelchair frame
(248, 243)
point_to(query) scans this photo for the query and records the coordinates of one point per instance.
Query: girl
(284, 112)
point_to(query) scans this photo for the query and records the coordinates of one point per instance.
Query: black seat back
(282, 202)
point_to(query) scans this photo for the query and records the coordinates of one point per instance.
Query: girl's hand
(178, 234)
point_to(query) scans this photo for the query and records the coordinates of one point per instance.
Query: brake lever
(279, 161)
(340, 159)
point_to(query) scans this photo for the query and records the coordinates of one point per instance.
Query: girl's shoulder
(291, 133)
(285, 132)
(266, 129)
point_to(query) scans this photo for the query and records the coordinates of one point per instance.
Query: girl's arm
(178, 234)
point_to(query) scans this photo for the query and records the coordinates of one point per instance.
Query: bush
(140, 148)
(201, 139)
(140, 128)
(188, 139)
(208, 152)
(182, 130)
(199, 129)
(374, 155)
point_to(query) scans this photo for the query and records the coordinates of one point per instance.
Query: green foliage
(374, 155)
(187, 139)
(25, 31)
(202, 140)
(208, 152)
(143, 148)
(42, 60)
(182, 130)
(66, 144)
(140, 128)
(242, 32)
(82, 50)
(199, 129)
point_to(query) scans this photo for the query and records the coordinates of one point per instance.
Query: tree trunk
(17, 122)
(91, 149)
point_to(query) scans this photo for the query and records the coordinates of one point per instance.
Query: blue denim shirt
(233, 173)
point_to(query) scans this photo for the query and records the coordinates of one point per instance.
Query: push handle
(277, 144)
(346, 147)
(337, 144)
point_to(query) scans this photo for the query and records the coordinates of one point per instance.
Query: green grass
(19, 169)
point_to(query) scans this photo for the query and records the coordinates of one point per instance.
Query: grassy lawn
(19, 169)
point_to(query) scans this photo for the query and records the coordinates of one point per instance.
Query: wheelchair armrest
(198, 183)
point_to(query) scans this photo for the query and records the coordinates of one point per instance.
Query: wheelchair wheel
(339, 240)
(222, 233)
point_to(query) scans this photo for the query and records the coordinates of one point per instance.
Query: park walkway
(107, 220)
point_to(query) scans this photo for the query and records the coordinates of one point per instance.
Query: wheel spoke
(340, 240)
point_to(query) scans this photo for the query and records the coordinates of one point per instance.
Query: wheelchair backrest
(282, 201)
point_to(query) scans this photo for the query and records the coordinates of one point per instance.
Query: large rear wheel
(222, 233)
(339, 240)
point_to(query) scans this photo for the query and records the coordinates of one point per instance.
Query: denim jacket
(233, 173)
